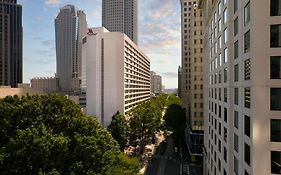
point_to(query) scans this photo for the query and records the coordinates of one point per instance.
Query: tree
(50, 135)
(144, 121)
(119, 130)
(175, 121)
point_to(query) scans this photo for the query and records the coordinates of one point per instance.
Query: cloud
(47, 42)
(170, 74)
(52, 2)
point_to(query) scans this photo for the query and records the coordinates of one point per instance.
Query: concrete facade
(118, 74)
(8, 91)
(239, 87)
(121, 16)
(46, 84)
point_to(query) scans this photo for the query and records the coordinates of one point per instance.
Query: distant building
(118, 74)
(155, 83)
(46, 84)
(23, 91)
(70, 27)
(11, 43)
(121, 16)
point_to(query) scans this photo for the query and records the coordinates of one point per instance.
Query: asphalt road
(164, 162)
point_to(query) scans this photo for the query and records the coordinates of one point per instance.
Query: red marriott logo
(91, 32)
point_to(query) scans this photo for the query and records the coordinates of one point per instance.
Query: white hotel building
(117, 76)
(242, 51)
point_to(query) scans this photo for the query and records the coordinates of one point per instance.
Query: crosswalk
(185, 169)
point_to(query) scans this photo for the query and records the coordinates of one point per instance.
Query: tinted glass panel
(275, 130)
(275, 99)
(275, 8)
(275, 69)
(275, 34)
(276, 162)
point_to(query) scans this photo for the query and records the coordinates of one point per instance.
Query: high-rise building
(191, 75)
(242, 56)
(118, 74)
(71, 27)
(155, 83)
(11, 40)
(121, 16)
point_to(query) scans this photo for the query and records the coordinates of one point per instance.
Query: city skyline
(161, 43)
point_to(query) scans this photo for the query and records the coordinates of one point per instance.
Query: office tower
(121, 16)
(192, 75)
(155, 83)
(242, 87)
(71, 27)
(118, 74)
(10, 43)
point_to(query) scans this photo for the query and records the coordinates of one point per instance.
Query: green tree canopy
(144, 121)
(50, 135)
(119, 130)
(175, 120)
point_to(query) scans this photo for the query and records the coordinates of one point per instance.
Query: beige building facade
(191, 75)
(242, 54)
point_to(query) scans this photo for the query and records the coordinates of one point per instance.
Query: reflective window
(275, 99)
(247, 15)
(275, 34)
(275, 8)
(275, 67)
(276, 162)
(247, 42)
(275, 130)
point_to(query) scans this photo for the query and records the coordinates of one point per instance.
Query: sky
(159, 35)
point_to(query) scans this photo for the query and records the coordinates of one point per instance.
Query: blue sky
(159, 34)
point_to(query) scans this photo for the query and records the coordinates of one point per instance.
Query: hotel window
(225, 75)
(275, 99)
(236, 26)
(236, 49)
(235, 5)
(275, 130)
(275, 34)
(247, 14)
(236, 144)
(236, 73)
(247, 154)
(247, 97)
(224, 154)
(219, 8)
(225, 94)
(225, 115)
(275, 67)
(247, 69)
(247, 126)
(225, 35)
(247, 42)
(235, 166)
(236, 96)
(236, 120)
(225, 55)
(225, 16)
(276, 162)
(275, 8)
